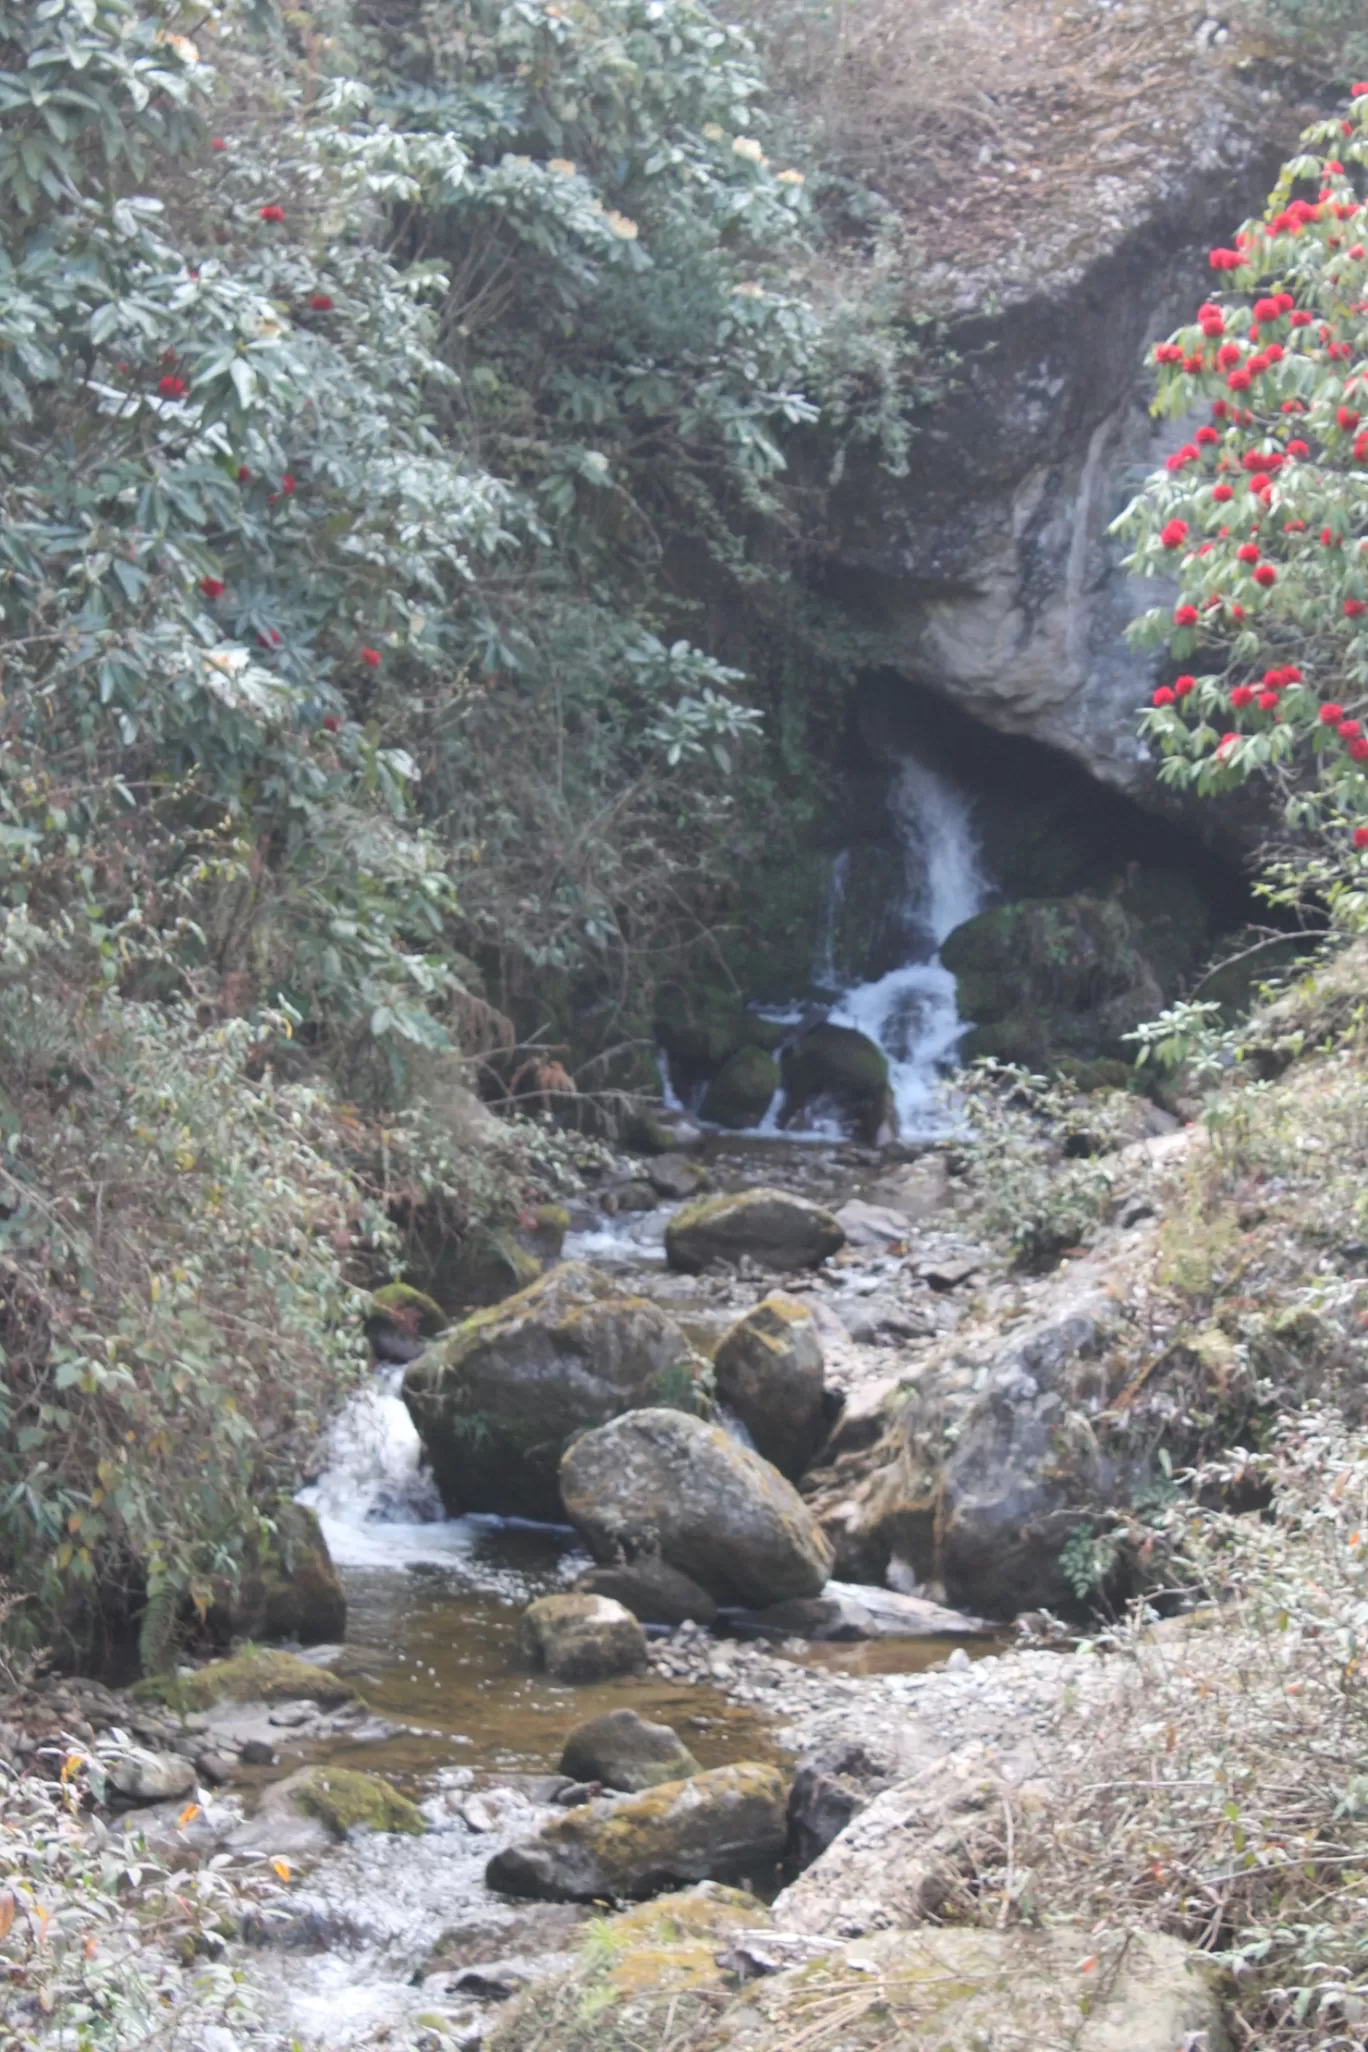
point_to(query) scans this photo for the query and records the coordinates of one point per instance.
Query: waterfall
(911, 1012)
(375, 1500)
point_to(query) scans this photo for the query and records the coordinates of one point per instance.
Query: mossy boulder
(485, 1266)
(729, 1821)
(258, 1674)
(288, 1588)
(835, 1065)
(497, 1400)
(740, 1093)
(659, 1483)
(773, 1227)
(345, 1800)
(700, 1026)
(627, 1753)
(770, 1373)
(542, 1231)
(582, 1638)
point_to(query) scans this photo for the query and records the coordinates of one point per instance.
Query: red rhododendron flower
(1360, 447)
(1226, 260)
(321, 303)
(1348, 730)
(1227, 354)
(287, 484)
(1239, 381)
(1163, 696)
(1182, 686)
(273, 213)
(1222, 492)
(371, 658)
(1290, 674)
(1175, 534)
(1268, 701)
(243, 473)
(1329, 539)
(330, 723)
(1357, 91)
(1298, 448)
(1258, 363)
(1185, 616)
(1301, 320)
(172, 388)
(1361, 837)
(1224, 746)
(1331, 714)
(1237, 612)
(1167, 352)
(212, 587)
(217, 143)
(1247, 552)
(1347, 417)
(1294, 527)
(1266, 309)
(1359, 749)
(1266, 575)
(1241, 696)
(1206, 436)
(1355, 609)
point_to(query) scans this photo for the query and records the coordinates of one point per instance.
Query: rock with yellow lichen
(770, 1372)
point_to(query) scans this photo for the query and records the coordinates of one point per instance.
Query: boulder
(542, 1230)
(257, 1674)
(401, 1321)
(839, 1066)
(729, 1821)
(675, 1177)
(496, 1401)
(652, 1590)
(740, 1093)
(772, 1227)
(484, 1266)
(581, 1638)
(624, 1752)
(309, 1811)
(288, 1589)
(873, 1227)
(142, 1777)
(658, 1482)
(769, 1368)
(830, 1787)
(848, 1611)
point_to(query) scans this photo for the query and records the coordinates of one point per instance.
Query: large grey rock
(582, 1638)
(652, 1590)
(770, 1368)
(496, 1400)
(658, 1482)
(625, 1752)
(832, 1786)
(728, 1821)
(847, 1611)
(144, 1777)
(288, 1587)
(773, 1228)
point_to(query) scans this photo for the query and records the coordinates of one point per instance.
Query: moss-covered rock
(344, 1800)
(775, 1228)
(770, 1372)
(542, 1231)
(400, 1302)
(581, 1638)
(288, 1588)
(657, 1482)
(496, 1401)
(258, 1674)
(729, 1821)
(837, 1065)
(739, 1094)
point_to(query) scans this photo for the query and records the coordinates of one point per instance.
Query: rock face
(838, 1066)
(289, 1588)
(773, 1228)
(582, 1638)
(658, 1482)
(624, 1752)
(652, 1590)
(726, 1822)
(496, 1401)
(770, 1369)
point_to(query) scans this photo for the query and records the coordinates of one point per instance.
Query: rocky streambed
(443, 1825)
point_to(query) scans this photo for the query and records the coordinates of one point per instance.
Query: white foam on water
(375, 1500)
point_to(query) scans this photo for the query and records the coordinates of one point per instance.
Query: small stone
(958, 1659)
(142, 1777)
(623, 1751)
(256, 1753)
(213, 1767)
(582, 1638)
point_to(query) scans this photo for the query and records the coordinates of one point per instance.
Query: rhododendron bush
(1260, 515)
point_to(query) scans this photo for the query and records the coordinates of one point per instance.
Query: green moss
(256, 1674)
(342, 1798)
(402, 1297)
(739, 1095)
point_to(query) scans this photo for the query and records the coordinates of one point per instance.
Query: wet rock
(740, 1093)
(769, 1368)
(582, 1638)
(652, 1590)
(634, 1196)
(658, 1482)
(542, 1230)
(213, 1767)
(497, 1400)
(288, 1589)
(345, 1800)
(729, 1821)
(484, 1266)
(675, 1177)
(773, 1228)
(401, 1322)
(142, 1777)
(257, 1753)
(259, 1674)
(837, 1065)
(623, 1751)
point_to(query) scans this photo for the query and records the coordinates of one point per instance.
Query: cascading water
(911, 1012)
